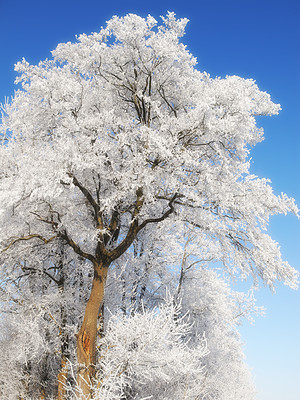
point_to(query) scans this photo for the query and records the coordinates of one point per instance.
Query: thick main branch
(76, 247)
(163, 217)
(90, 199)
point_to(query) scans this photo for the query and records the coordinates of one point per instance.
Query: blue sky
(253, 39)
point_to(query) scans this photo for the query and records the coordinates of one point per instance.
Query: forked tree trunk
(86, 337)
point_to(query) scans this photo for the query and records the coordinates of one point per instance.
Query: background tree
(120, 132)
(40, 308)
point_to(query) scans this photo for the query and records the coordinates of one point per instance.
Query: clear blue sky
(253, 39)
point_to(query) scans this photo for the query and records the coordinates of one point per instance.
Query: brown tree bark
(62, 379)
(87, 335)
(42, 394)
(62, 376)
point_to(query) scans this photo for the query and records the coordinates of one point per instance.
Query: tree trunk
(86, 337)
(62, 376)
(42, 394)
(62, 379)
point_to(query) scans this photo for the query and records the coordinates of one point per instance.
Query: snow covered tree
(213, 308)
(148, 355)
(118, 134)
(205, 299)
(40, 308)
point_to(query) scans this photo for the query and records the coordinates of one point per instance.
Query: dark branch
(114, 228)
(47, 221)
(29, 237)
(35, 270)
(90, 199)
(163, 217)
(76, 248)
(132, 231)
(135, 227)
(100, 250)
